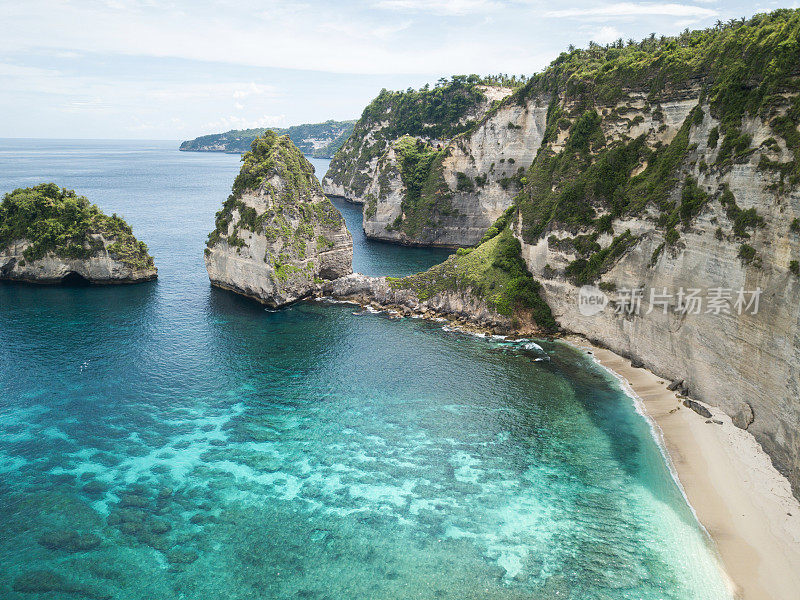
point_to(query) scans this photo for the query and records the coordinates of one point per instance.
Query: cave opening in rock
(74, 279)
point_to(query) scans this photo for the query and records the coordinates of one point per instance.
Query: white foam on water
(690, 570)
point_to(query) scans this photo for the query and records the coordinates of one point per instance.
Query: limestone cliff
(392, 163)
(449, 196)
(277, 236)
(669, 165)
(52, 235)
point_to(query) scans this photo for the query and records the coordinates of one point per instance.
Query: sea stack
(277, 236)
(51, 235)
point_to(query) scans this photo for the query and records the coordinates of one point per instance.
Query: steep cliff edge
(672, 167)
(52, 235)
(399, 163)
(277, 235)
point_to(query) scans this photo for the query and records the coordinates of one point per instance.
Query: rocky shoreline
(460, 308)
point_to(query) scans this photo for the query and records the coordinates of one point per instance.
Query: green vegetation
(564, 188)
(435, 112)
(427, 195)
(57, 220)
(794, 267)
(272, 156)
(747, 253)
(493, 272)
(439, 112)
(693, 199)
(742, 219)
(464, 183)
(743, 65)
(503, 221)
(583, 271)
(333, 133)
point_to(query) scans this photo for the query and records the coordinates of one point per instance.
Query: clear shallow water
(168, 440)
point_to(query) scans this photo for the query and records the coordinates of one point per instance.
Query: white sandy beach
(740, 498)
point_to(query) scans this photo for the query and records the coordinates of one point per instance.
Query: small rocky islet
(52, 235)
(277, 235)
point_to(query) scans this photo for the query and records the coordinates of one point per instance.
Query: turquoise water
(168, 440)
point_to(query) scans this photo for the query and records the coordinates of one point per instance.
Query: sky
(176, 69)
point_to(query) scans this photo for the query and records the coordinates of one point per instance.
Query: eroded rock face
(51, 235)
(747, 364)
(102, 268)
(278, 236)
(472, 181)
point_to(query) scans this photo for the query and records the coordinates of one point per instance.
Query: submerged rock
(52, 235)
(42, 581)
(69, 541)
(277, 236)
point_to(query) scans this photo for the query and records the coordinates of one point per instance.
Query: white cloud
(235, 122)
(634, 9)
(324, 37)
(606, 35)
(254, 89)
(440, 7)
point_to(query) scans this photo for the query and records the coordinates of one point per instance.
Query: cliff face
(671, 166)
(277, 236)
(51, 235)
(674, 169)
(748, 363)
(100, 268)
(468, 183)
(399, 164)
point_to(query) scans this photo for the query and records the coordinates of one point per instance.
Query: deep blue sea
(170, 440)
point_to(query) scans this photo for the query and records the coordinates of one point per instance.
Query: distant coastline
(317, 140)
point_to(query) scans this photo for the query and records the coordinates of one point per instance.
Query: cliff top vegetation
(57, 220)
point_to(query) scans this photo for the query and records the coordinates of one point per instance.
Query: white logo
(591, 300)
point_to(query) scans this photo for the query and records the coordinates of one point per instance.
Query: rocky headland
(670, 166)
(51, 235)
(320, 140)
(277, 236)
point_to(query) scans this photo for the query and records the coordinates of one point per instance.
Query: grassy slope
(493, 272)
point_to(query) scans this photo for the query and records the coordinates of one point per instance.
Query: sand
(743, 502)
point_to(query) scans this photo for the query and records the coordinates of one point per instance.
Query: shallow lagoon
(172, 441)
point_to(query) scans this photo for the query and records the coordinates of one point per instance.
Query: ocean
(170, 440)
